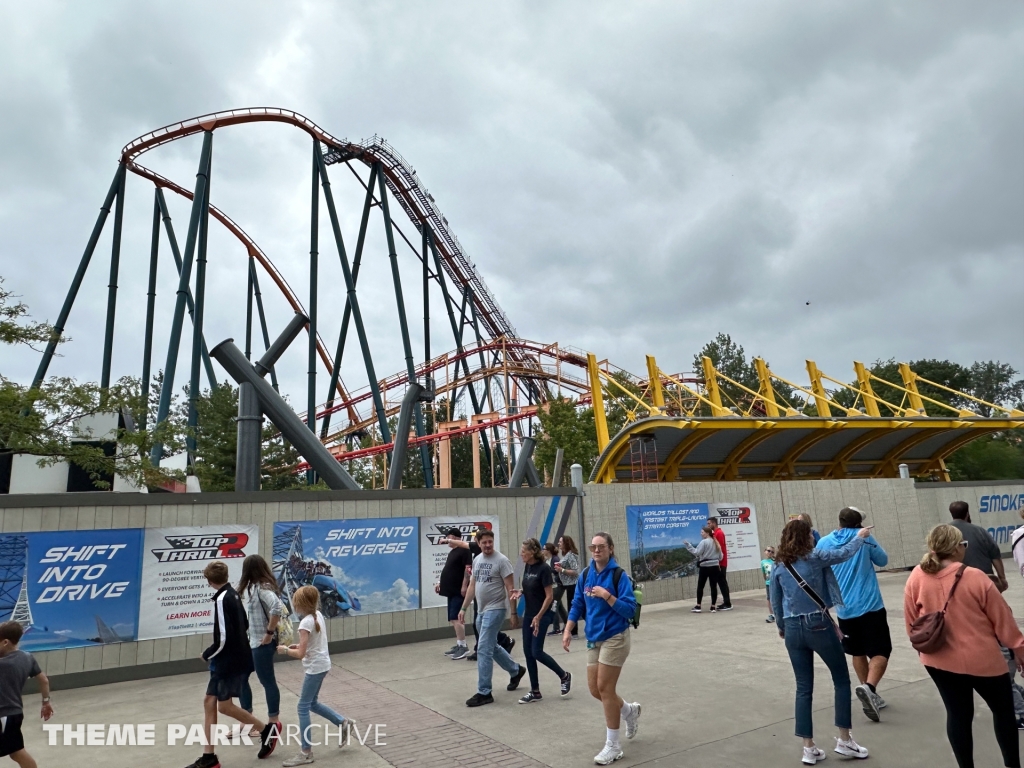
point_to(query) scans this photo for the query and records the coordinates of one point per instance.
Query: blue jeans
(263, 660)
(805, 636)
(533, 649)
(308, 702)
(488, 651)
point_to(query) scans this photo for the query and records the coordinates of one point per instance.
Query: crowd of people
(955, 617)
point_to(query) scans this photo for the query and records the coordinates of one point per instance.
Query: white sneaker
(300, 759)
(813, 755)
(608, 755)
(632, 720)
(850, 748)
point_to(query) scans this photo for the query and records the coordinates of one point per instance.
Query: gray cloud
(628, 178)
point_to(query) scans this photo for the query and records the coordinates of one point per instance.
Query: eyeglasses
(964, 544)
(597, 547)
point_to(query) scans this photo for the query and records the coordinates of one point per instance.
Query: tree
(729, 359)
(216, 438)
(13, 326)
(563, 424)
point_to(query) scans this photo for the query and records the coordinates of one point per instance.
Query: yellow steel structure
(846, 432)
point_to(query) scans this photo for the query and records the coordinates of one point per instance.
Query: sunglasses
(964, 544)
(597, 547)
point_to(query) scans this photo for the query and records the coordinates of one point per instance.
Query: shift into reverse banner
(357, 566)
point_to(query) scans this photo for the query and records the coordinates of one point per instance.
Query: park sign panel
(434, 549)
(657, 533)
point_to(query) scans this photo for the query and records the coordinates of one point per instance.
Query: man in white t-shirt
(491, 584)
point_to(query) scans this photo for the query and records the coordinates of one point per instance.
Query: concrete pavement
(716, 689)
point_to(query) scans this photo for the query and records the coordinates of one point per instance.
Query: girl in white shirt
(312, 649)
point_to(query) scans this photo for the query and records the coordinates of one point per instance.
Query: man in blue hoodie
(862, 617)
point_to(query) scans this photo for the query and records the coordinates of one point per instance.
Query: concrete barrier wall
(149, 658)
(996, 506)
(890, 505)
(901, 512)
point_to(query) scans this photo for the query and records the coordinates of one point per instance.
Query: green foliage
(13, 327)
(563, 424)
(730, 360)
(998, 457)
(216, 438)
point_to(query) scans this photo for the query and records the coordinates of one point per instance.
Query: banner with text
(358, 566)
(657, 533)
(434, 549)
(176, 598)
(71, 588)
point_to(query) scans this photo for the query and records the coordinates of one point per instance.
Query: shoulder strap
(808, 590)
(956, 582)
(616, 578)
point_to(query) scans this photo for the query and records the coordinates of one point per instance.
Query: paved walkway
(716, 690)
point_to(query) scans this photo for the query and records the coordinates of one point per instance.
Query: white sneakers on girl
(850, 748)
(813, 755)
(608, 755)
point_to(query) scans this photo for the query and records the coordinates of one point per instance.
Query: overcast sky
(629, 178)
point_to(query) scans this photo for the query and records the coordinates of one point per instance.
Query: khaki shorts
(613, 652)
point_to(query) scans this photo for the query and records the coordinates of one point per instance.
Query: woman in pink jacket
(977, 621)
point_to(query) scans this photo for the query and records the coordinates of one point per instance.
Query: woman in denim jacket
(808, 630)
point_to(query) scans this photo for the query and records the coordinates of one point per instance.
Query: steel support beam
(413, 395)
(248, 459)
(357, 316)
(198, 203)
(115, 265)
(147, 349)
(403, 322)
(263, 318)
(519, 471)
(284, 418)
(190, 305)
(248, 311)
(197, 319)
(314, 255)
(76, 282)
(357, 261)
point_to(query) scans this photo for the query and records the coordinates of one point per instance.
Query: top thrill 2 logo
(219, 546)
(733, 515)
(439, 537)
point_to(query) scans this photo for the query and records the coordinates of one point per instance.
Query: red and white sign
(738, 522)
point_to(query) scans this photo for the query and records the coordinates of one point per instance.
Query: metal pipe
(147, 350)
(189, 304)
(519, 470)
(174, 343)
(197, 319)
(248, 468)
(277, 410)
(413, 395)
(266, 363)
(532, 475)
(263, 321)
(76, 282)
(115, 265)
(556, 473)
(357, 261)
(364, 344)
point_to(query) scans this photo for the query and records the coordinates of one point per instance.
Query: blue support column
(248, 312)
(115, 264)
(263, 318)
(396, 276)
(198, 200)
(147, 350)
(357, 316)
(76, 282)
(314, 232)
(200, 304)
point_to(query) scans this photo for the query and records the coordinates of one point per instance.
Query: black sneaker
(479, 700)
(508, 644)
(513, 681)
(471, 657)
(566, 685)
(531, 697)
(206, 761)
(724, 607)
(269, 737)
(462, 653)
(1020, 723)
(713, 609)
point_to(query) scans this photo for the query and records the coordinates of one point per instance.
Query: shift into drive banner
(79, 588)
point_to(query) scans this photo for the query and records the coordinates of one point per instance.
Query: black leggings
(714, 573)
(533, 650)
(957, 692)
(557, 606)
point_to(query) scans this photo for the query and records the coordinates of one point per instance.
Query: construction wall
(901, 512)
(892, 506)
(997, 506)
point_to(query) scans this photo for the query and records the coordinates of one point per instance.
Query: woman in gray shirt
(708, 553)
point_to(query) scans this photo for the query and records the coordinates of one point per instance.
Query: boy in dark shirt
(452, 586)
(17, 666)
(230, 660)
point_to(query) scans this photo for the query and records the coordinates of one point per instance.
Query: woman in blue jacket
(808, 629)
(608, 608)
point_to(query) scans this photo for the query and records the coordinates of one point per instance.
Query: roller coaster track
(399, 175)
